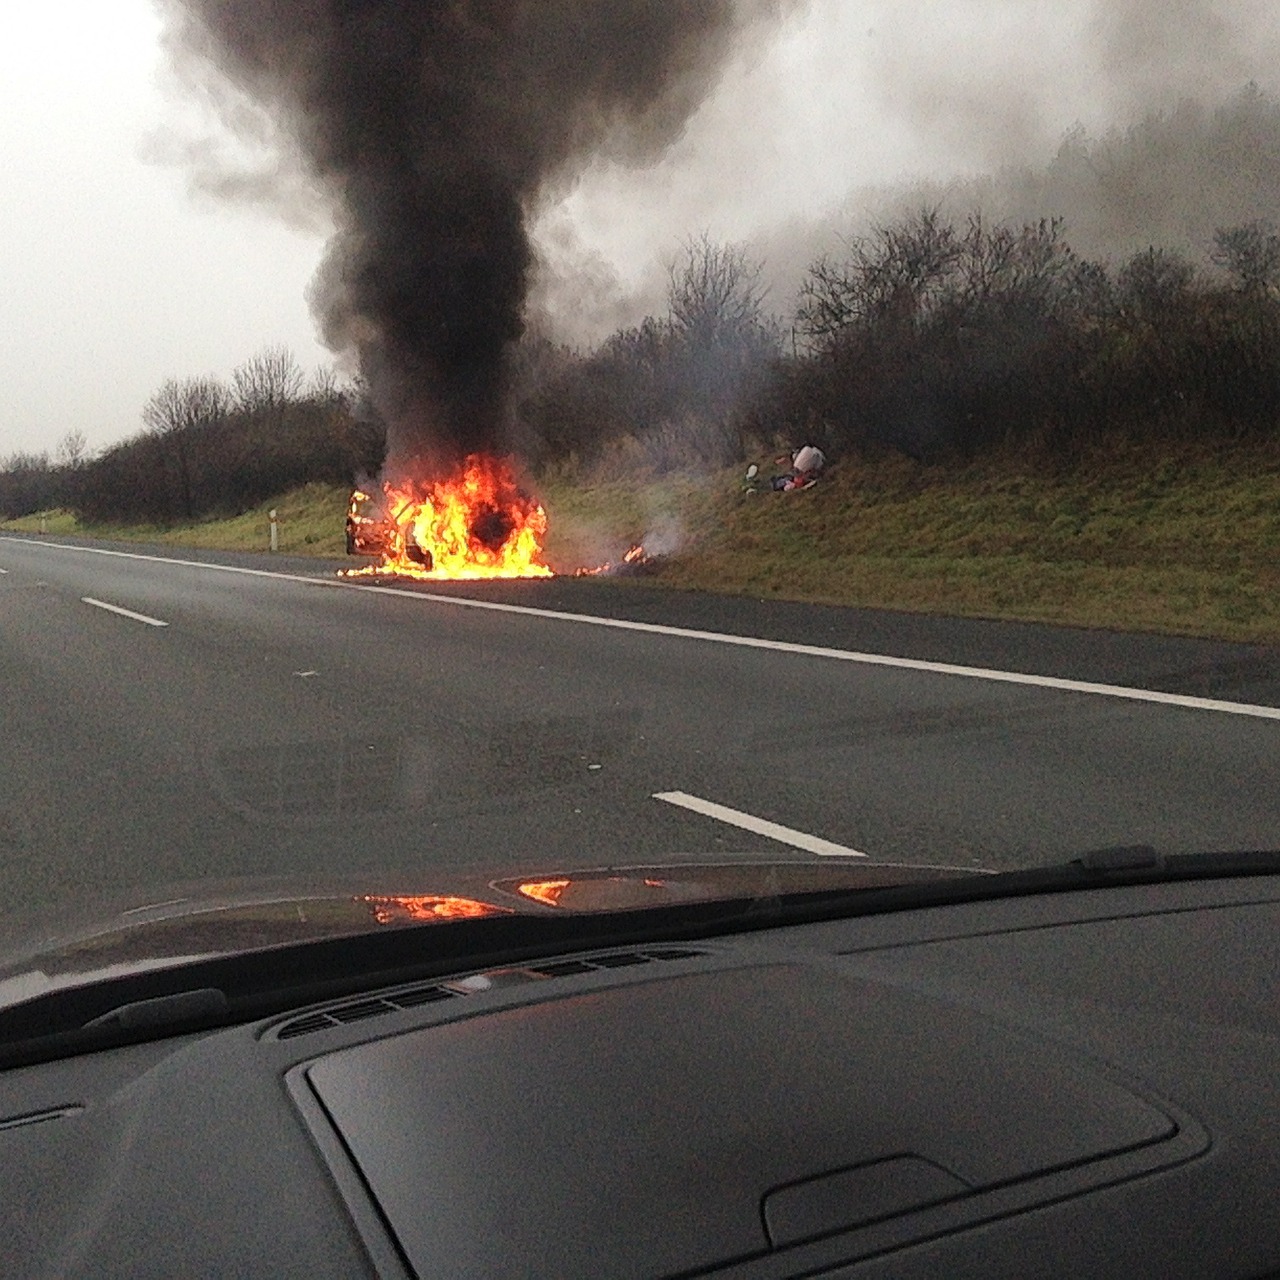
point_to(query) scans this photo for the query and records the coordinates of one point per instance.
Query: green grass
(1187, 542)
(311, 522)
(60, 522)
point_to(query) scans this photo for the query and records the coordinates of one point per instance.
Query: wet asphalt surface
(285, 727)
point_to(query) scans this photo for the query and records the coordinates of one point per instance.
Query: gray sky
(114, 277)
(118, 273)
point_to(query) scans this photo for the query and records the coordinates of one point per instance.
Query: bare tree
(324, 386)
(1029, 270)
(185, 405)
(1250, 252)
(71, 450)
(714, 293)
(163, 413)
(267, 382)
(175, 413)
(893, 276)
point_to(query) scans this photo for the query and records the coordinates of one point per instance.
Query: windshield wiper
(1144, 864)
(1115, 867)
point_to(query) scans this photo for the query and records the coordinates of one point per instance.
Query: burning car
(373, 530)
(474, 523)
(367, 526)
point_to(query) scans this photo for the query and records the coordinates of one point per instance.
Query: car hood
(190, 922)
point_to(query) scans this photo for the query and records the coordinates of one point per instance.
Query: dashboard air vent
(357, 1010)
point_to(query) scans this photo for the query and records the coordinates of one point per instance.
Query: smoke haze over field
(861, 109)
(1185, 136)
(434, 130)
(415, 119)
(1169, 180)
(811, 124)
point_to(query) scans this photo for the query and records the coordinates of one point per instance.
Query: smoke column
(434, 127)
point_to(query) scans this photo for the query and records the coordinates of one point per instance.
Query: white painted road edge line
(124, 613)
(746, 642)
(761, 826)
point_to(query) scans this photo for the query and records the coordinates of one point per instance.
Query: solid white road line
(1125, 692)
(761, 826)
(124, 613)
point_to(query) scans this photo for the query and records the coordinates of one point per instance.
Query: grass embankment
(1187, 542)
(311, 523)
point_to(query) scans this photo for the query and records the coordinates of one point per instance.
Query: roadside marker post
(275, 529)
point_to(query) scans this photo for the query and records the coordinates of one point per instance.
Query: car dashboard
(1078, 1083)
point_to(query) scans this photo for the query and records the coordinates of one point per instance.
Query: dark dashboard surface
(1078, 1084)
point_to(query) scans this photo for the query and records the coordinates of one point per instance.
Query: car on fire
(373, 530)
(368, 528)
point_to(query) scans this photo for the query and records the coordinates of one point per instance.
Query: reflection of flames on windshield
(545, 891)
(406, 909)
(594, 892)
(474, 524)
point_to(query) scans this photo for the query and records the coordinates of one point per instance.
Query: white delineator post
(275, 529)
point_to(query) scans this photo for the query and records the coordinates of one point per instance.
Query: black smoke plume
(434, 128)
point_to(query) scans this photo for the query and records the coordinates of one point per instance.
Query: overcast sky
(116, 275)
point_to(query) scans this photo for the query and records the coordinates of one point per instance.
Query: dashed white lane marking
(124, 613)
(761, 826)
(1126, 692)
(4, 570)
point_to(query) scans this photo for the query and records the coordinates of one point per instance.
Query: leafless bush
(1154, 283)
(675, 387)
(28, 482)
(209, 449)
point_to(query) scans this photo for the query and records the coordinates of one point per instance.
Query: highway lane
(279, 727)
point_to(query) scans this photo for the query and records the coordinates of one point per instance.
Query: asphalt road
(281, 724)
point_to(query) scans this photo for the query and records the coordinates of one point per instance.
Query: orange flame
(474, 524)
(633, 556)
(590, 892)
(401, 909)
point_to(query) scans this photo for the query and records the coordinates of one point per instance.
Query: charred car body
(373, 531)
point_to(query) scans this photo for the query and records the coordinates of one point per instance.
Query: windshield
(467, 460)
